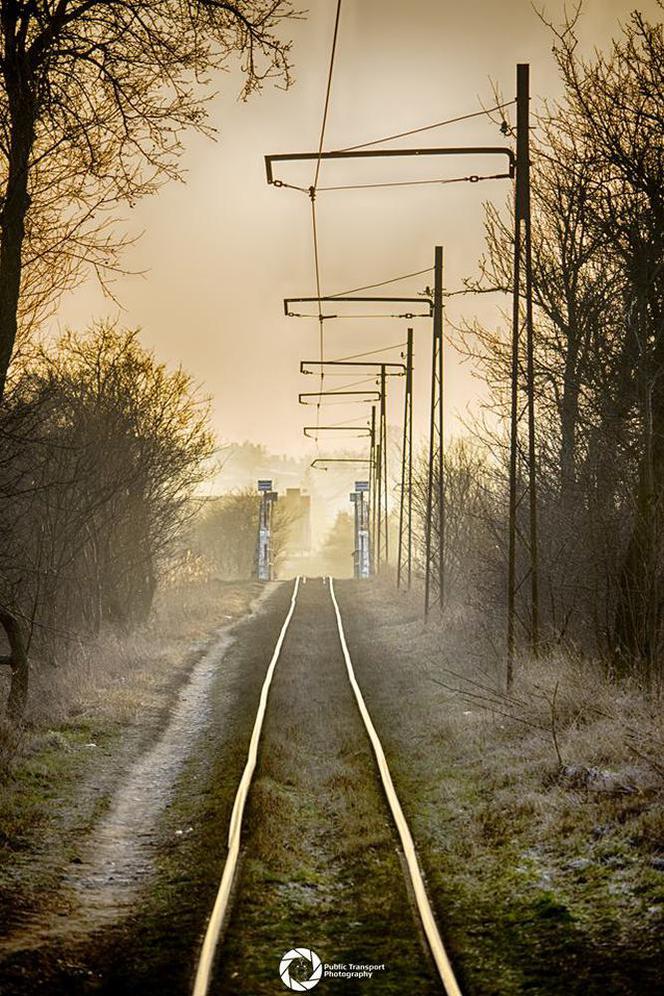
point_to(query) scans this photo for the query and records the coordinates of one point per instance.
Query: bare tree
(224, 534)
(614, 104)
(95, 96)
(598, 237)
(101, 449)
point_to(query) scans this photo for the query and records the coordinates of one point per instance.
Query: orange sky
(221, 250)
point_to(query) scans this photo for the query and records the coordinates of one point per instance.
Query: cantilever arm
(319, 460)
(422, 301)
(471, 150)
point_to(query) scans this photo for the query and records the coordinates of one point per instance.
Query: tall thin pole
(524, 107)
(410, 462)
(514, 448)
(372, 490)
(522, 227)
(357, 553)
(438, 319)
(434, 560)
(379, 486)
(383, 395)
(365, 565)
(406, 498)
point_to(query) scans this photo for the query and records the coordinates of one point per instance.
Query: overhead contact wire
(370, 352)
(327, 93)
(472, 178)
(312, 194)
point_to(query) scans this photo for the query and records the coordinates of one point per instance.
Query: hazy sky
(222, 250)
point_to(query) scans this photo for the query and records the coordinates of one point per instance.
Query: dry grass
(112, 693)
(119, 677)
(12, 741)
(539, 815)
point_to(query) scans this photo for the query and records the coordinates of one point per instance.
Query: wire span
(327, 93)
(322, 318)
(370, 352)
(357, 383)
(436, 124)
(312, 194)
(473, 178)
(347, 421)
(383, 283)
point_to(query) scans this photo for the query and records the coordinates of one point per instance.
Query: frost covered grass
(539, 816)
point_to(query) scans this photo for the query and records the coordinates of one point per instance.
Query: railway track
(211, 953)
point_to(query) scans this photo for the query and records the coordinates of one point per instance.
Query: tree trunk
(14, 208)
(12, 225)
(569, 411)
(638, 612)
(639, 609)
(18, 661)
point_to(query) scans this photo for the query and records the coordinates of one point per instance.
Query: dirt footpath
(321, 867)
(128, 913)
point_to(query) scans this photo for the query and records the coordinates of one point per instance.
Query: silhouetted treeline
(223, 540)
(100, 450)
(95, 99)
(598, 231)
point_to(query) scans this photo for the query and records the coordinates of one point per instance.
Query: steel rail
(208, 950)
(213, 932)
(440, 957)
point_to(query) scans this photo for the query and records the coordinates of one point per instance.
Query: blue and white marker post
(264, 567)
(361, 555)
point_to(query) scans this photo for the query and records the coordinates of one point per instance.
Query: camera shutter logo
(297, 985)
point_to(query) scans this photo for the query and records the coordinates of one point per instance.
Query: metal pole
(402, 494)
(405, 500)
(523, 72)
(268, 552)
(263, 569)
(514, 445)
(409, 377)
(522, 224)
(363, 537)
(372, 489)
(383, 393)
(379, 485)
(356, 535)
(438, 319)
(434, 479)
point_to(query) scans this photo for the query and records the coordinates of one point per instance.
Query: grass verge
(88, 720)
(539, 818)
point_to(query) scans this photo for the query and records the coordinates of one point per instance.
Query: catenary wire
(472, 178)
(370, 352)
(436, 124)
(341, 318)
(312, 193)
(383, 283)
